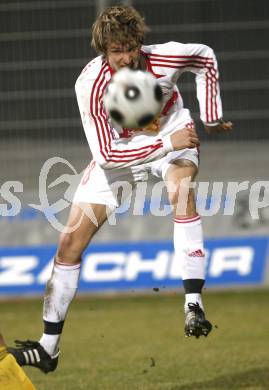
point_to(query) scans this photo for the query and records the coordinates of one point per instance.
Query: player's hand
(185, 138)
(222, 127)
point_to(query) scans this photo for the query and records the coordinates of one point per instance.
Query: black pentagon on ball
(132, 93)
(145, 120)
(158, 93)
(116, 116)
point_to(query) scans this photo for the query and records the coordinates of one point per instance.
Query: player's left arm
(201, 60)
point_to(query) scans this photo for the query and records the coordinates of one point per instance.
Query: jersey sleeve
(201, 60)
(108, 151)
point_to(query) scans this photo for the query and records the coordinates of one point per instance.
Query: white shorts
(112, 187)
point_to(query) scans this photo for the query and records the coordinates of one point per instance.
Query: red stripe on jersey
(137, 156)
(106, 130)
(149, 149)
(105, 134)
(211, 95)
(206, 97)
(209, 62)
(170, 103)
(173, 56)
(157, 145)
(102, 93)
(93, 109)
(190, 65)
(213, 72)
(102, 118)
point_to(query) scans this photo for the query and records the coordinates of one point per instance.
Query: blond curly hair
(118, 23)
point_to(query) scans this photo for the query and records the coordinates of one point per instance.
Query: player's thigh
(83, 222)
(178, 178)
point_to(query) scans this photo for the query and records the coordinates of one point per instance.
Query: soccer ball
(133, 98)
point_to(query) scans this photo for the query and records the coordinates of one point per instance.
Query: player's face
(119, 56)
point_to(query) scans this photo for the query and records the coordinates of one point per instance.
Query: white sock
(189, 248)
(60, 291)
(193, 298)
(50, 343)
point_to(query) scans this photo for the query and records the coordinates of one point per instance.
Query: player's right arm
(112, 153)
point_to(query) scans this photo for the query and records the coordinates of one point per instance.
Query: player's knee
(65, 240)
(183, 201)
(180, 191)
(69, 248)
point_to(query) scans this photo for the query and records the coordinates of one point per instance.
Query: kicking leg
(61, 287)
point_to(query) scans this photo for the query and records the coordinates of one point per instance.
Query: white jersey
(113, 148)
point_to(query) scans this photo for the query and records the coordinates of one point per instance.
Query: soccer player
(168, 149)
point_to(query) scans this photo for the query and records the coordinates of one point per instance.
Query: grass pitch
(138, 343)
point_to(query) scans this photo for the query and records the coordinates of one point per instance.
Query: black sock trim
(53, 327)
(193, 286)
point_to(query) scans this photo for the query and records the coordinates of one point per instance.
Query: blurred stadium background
(44, 44)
